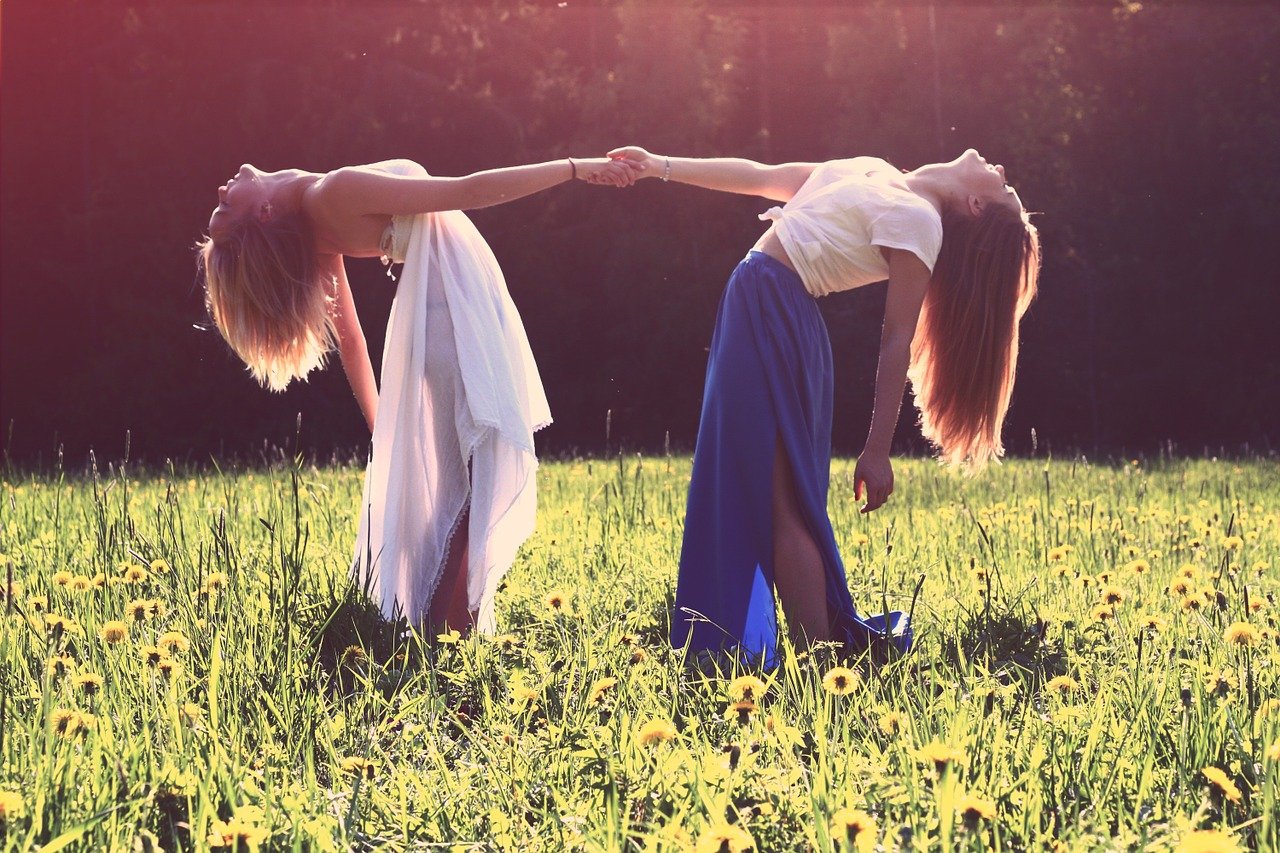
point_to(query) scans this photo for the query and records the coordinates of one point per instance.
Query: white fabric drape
(458, 382)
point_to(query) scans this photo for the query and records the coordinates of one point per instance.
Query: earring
(265, 214)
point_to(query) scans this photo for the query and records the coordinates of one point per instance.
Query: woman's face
(243, 195)
(975, 177)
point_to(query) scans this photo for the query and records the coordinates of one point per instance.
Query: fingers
(877, 496)
(618, 173)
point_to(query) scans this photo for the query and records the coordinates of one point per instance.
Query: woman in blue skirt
(961, 258)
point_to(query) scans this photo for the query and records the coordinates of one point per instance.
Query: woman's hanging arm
(908, 280)
(352, 348)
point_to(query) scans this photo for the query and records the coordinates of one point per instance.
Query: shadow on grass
(1012, 645)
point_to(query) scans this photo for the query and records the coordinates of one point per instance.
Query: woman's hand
(648, 165)
(875, 474)
(606, 171)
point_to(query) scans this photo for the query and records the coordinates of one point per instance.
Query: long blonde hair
(965, 351)
(264, 293)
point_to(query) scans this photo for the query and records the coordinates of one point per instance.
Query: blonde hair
(264, 293)
(965, 351)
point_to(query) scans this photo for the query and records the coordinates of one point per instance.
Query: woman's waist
(770, 244)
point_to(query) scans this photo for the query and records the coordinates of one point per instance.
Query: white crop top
(834, 225)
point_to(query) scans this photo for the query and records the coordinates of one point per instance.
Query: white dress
(458, 383)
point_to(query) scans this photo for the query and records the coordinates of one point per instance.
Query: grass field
(184, 664)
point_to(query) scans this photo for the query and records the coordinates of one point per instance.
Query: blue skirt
(769, 375)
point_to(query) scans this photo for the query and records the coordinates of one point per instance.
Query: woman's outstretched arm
(360, 191)
(352, 348)
(908, 280)
(726, 174)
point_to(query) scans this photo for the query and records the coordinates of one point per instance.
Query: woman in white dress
(449, 491)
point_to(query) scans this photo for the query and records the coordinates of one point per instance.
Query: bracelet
(666, 173)
(574, 167)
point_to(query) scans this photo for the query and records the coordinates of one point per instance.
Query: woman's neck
(288, 187)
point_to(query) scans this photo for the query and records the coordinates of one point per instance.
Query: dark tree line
(1146, 136)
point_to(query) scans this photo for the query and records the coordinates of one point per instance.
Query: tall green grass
(259, 700)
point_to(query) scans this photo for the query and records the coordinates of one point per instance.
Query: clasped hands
(621, 168)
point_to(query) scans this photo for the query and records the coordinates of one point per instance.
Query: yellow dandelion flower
(62, 577)
(60, 625)
(89, 683)
(1192, 603)
(941, 755)
(152, 655)
(1062, 685)
(64, 722)
(857, 827)
(59, 666)
(1232, 543)
(1257, 605)
(746, 687)
(1241, 634)
(979, 573)
(1180, 586)
(449, 638)
(1062, 570)
(192, 712)
(1058, 554)
(157, 608)
(1102, 612)
(655, 731)
(169, 667)
(638, 656)
(80, 583)
(1273, 751)
(216, 581)
(557, 601)
(1086, 581)
(1112, 595)
(160, 567)
(506, 642)
(38, 603)
(171, 640)
(1153, 623)
(113, 632)
(860, 539)
(1139, 567)
(974, 809)
(1222, 683)
(353, 655)
(740, 712)
(1222, 784)
(892, 722)
(725, 838)
(11, 806)
(1208, 841)
(137, 610)
(1190, 571)
(840, 681)
(600, 688)
(1104, 577)
(357, 766)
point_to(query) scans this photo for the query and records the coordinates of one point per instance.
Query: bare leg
(449, 604)
(797, 563)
